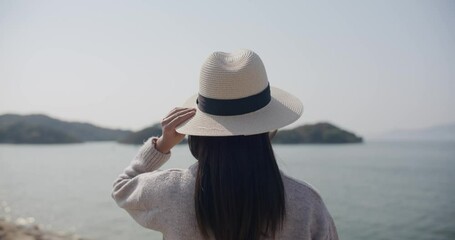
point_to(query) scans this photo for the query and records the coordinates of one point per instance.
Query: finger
(169, 119)
(177, 113)
(174, 110)
(181, 119)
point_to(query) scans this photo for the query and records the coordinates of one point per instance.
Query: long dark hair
(239, 193)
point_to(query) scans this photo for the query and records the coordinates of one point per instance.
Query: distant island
(316, 133)
(42, 129)
(140, 136)
(39, 128)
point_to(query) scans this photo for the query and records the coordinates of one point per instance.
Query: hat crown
(232, 75)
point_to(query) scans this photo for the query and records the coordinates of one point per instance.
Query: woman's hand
(173, 119)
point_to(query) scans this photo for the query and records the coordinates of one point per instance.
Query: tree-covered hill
(316, 133)
(38, 128)
(24, 133)
(140, 136)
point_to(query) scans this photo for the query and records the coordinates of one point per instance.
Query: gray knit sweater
(162, 200)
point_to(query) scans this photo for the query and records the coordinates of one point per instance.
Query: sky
(366, 66)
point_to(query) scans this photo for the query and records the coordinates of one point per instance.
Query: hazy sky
(368, 66)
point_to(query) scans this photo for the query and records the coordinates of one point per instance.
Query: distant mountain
(436, 133)
(24, 133)
(38, 128)
(140, 136)
(316, 133)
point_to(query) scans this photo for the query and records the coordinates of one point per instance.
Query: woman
(235, 190)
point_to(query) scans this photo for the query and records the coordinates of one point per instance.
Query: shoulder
(306, 210)
(301, 190)
(302, 200)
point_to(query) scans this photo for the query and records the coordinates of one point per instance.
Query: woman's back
(238, 184)
(164, 201)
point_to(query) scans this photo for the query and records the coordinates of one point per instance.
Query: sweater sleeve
(325, 229)
(323, 225)
(332, 234)
(133, 189)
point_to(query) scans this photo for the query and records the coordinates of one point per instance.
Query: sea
(374, 190)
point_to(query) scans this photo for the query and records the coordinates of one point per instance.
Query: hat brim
(282, 110)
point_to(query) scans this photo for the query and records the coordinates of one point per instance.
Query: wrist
(161, 146)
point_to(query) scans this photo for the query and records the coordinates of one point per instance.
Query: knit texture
(162, 200)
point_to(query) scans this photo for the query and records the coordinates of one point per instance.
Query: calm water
(374, 190)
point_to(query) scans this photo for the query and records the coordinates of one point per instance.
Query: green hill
(140, 136)
(23, 133)
(38, 128)
(316, 133)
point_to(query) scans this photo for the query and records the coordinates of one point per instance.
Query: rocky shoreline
(25, 231)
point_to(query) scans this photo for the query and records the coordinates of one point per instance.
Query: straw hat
(235, 98)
